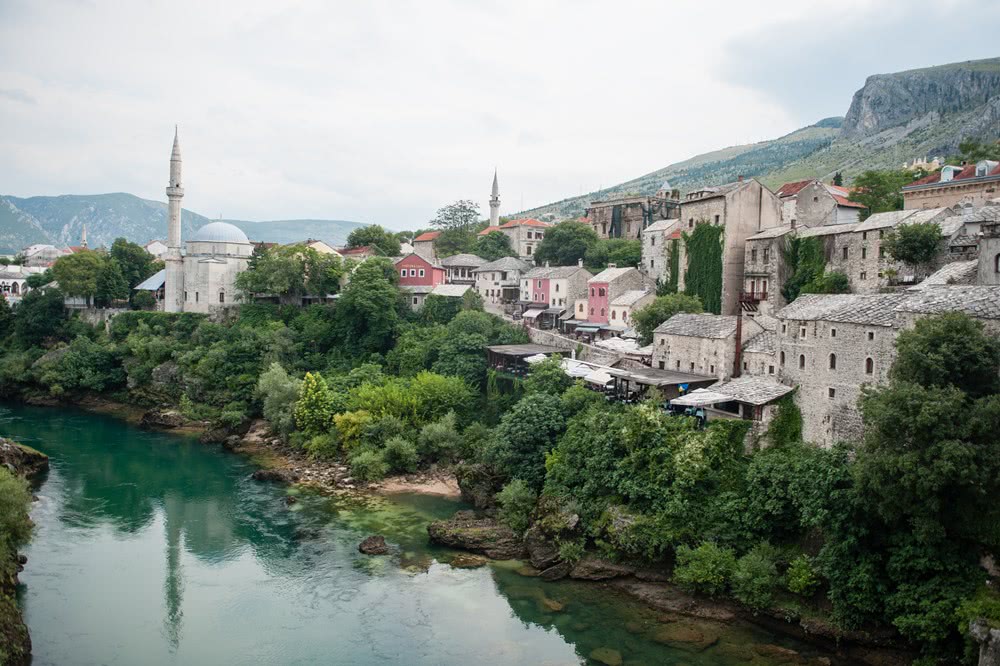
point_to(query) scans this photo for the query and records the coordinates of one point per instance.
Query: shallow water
(151, 548)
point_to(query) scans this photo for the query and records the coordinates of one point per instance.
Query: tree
(440, 309)
(805, 260)
(369, 309)
(972, 151)
(915, 244)
(495, 245)
(566, 243)
(39, 316)
(525, 434)
(879, 191)
(548, 377)
(619, 251)
(829, 282)
(838, 179)
(455, 241)
(314, 407)
(143, 300)
(461, 215)
(661, 309)
(6, 317)
(291, 272)
(279, 393)
(135, 262)
(385, 242)
(77, 273)
(472, 300)
(111, 284)
(951, 349)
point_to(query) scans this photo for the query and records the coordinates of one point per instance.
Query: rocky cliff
(890, 100)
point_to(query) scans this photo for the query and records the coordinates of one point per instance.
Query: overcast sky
(384, 111)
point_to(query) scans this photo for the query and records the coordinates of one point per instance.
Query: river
(151, 548)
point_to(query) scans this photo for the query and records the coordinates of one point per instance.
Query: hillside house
(658, 241)
(499, 282)
(525, 236)
(704, 344)
(547, 292)
(765, 270)
(627, 216)
(157, 248)
(424, 245)
(811, 203)
(976, 184)
(460, 268)
(625, 305)
(608, 285)
(13, 281)
(418, 277)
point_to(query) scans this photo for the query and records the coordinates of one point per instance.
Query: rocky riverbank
(15, 643)
(483, 535)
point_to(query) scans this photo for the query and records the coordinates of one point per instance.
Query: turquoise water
(151, 548)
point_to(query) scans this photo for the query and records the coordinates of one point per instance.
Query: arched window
(833, 361)
(602, 312)
(614, 314)
(600, 291)
(591, 291)
(591, 310)
(13, 288)
(782, 358)
(802, 361)
(996, 263)
(869, 366)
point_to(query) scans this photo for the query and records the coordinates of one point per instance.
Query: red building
(416, 271)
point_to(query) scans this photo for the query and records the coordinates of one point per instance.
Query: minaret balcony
(176, 191)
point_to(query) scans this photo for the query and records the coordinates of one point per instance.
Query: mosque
(203, 277)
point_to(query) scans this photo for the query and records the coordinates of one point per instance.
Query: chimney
(739, 178)
(547, 264)
(612, 265)
(579, 262)
(793, 223)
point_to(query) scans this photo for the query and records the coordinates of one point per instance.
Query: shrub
(756, 576)
(571, 551)
(439, 440)
(475, 439)
(351, 426)
(706, 569)
(516, 501)
(381, 430)
(368, 465)
(801, 577)
(278, 393)
(15, 525)
(401, 455)
(315, 405)
(322, 446)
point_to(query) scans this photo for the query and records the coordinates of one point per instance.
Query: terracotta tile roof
(791, 189)
(844, 201)
(356, 250)
(487, 230)
(427, 236)
(968, 172)
(529, 222)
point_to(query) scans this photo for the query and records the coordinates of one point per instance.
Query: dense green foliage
(703, 277)
(494, 245)
(916, 244)
(619, 251)
(383, 242)
(566, 243)
(879, 191)
(828, 282)
(805, 261)
(516, 501)
(646, 319)
(291, 272)
(15, 525)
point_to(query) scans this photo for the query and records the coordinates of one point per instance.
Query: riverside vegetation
(885, 533)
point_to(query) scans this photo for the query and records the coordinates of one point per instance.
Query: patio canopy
(700, 398)
(531, 314)
(599, 377)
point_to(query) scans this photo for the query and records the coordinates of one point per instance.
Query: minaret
(83, 237)
(495, 202)
(173, 298)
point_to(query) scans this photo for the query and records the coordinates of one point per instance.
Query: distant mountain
(60, 220)
(891, 120)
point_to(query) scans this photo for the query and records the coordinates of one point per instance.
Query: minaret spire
(83, 237)
(495, 201)
(174, 283)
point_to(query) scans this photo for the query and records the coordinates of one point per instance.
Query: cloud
(811, 65)
(18, 96)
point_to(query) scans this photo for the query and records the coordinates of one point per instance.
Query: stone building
(765, 269)
(424, 245)
(988, 263)
(744, 208)
(525, 236)
(811, 203)
(703, 344)
(625, 305)
(627, 216)
(558, 286)
(657, 241)
(14, 279)
(459, 268)
(610, 284)
(976, 184)
(42, 255)
(499, 282)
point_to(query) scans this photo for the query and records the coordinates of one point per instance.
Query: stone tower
(83, 237)
(173, 297)
(495, 202)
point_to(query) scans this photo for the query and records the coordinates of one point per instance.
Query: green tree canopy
(915, 244)
(455, 241)
(135, 262)
(661, 309)
(972, 151)
(291, 272)
(494, 245)
(879, 191)
(461, 215)
(39, 316)
(111, 284)
(829, 282)
(566, 243)
(619, 251)
(370, 308)
(77, 273)
(805, 261)
(374, 236)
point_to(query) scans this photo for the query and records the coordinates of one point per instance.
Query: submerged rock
(165, 419)
(468, 561)
(542, 552)
(607, 656)
(777, 654)
(22, 460)
(552, 605)
(479, 535)
(686, 637)
(557, 571)
(373, 545)
(279, 475)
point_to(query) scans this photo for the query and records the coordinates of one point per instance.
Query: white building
(157, 248)
(13, 281)
(203, 278)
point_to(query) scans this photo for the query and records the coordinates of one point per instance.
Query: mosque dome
(219, 232)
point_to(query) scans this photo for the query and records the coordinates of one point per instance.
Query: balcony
(753, 296)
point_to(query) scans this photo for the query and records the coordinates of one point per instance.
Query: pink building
(610, 284)
(415, 271)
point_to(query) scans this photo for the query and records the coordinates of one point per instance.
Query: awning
(531, 314)
(537, 358)
(576, 368)
(589, 328)
(555, 311)
(700, 398)
(154, 282)
(599, 377)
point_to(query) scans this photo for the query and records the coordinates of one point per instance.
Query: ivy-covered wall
(703, 277)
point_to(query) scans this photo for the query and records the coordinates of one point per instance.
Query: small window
(538, 283)
(414, 300)
(222, 297)
(716, 219)
(662, 340)
(864, 235)
(650, 263)
(833, 332)
(557, 287)
(832, 392)
(833, 361)
(421, 272)
(691, 223)
(864, 253)
(196, 297)
(802, 361)
(767, 252)
(600, 291)
(652, 240)
(871, 335)
(784, 328)
(614, 314)
(591, 291)
(692, 366)
(580, 308)
(591, 310)
(602, 312)
(845, 252)
(661, 365)
(815, 199)
(770, 369)
(781, 359)
(678, 365)
(712, 369)
(802, 331)
(881, 253)
(186, 296)
(753, 255)
(745, 367)
(869, 366)
(529, 249)
(863, 275)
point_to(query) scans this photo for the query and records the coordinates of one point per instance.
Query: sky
(382, 112)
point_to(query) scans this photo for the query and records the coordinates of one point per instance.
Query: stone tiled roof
(453, 290)
(896, 217)
(716, 191)
(554, 272)
(987, 213)
(630, 297)
(982, 302)
(773, 232)
(699, 325)
(611, 274)
(417, 288)
(765, 342)
(964, 240)
(504, 264)
(752, 390)
(662, 225)
(463, 260)
(872, 309)
(826, 230)
(956, 272)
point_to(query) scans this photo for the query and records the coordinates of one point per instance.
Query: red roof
(357, 250)
(487, 230)
(791, 189)
(840, 194)
(968, 172)
(529, 222)
(675, 234)
(427, 236)
(844, 201)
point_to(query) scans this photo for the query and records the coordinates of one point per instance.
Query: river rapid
(151, 548)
